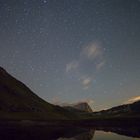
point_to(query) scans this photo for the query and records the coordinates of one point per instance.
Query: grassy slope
(17, 101)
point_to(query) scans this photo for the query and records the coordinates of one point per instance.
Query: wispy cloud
(86, 82)
(91, 56)
(89, 101)
(100, 64)
(72, 66)
(132, 100)
(92, 51)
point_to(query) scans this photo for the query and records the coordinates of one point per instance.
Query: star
(72, 44)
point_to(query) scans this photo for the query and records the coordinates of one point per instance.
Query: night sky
(71, 51)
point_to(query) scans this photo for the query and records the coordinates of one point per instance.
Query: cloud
(86, 82)
(72, 66)
(89, 101)
(92, 51)
(100, 65)
(132, 100)
(90, 61)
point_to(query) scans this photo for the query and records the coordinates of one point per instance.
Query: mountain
(126, 110)
(83, 106)
(17, 101)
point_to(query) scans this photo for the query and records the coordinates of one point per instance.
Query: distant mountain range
(18, 102)
(124, 111)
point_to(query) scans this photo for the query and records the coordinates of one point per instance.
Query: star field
(73, 50)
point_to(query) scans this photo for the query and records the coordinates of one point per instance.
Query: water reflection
(126, 131)
(108, 134)
(83, 136)
(67, 133)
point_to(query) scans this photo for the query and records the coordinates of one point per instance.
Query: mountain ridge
(131, 110)
(17, 98)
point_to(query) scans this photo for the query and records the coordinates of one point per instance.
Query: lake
(37, 132)
(105, 135)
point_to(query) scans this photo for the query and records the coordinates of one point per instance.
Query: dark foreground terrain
(24, 115)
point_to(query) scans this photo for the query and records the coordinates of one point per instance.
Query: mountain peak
(84, 106)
